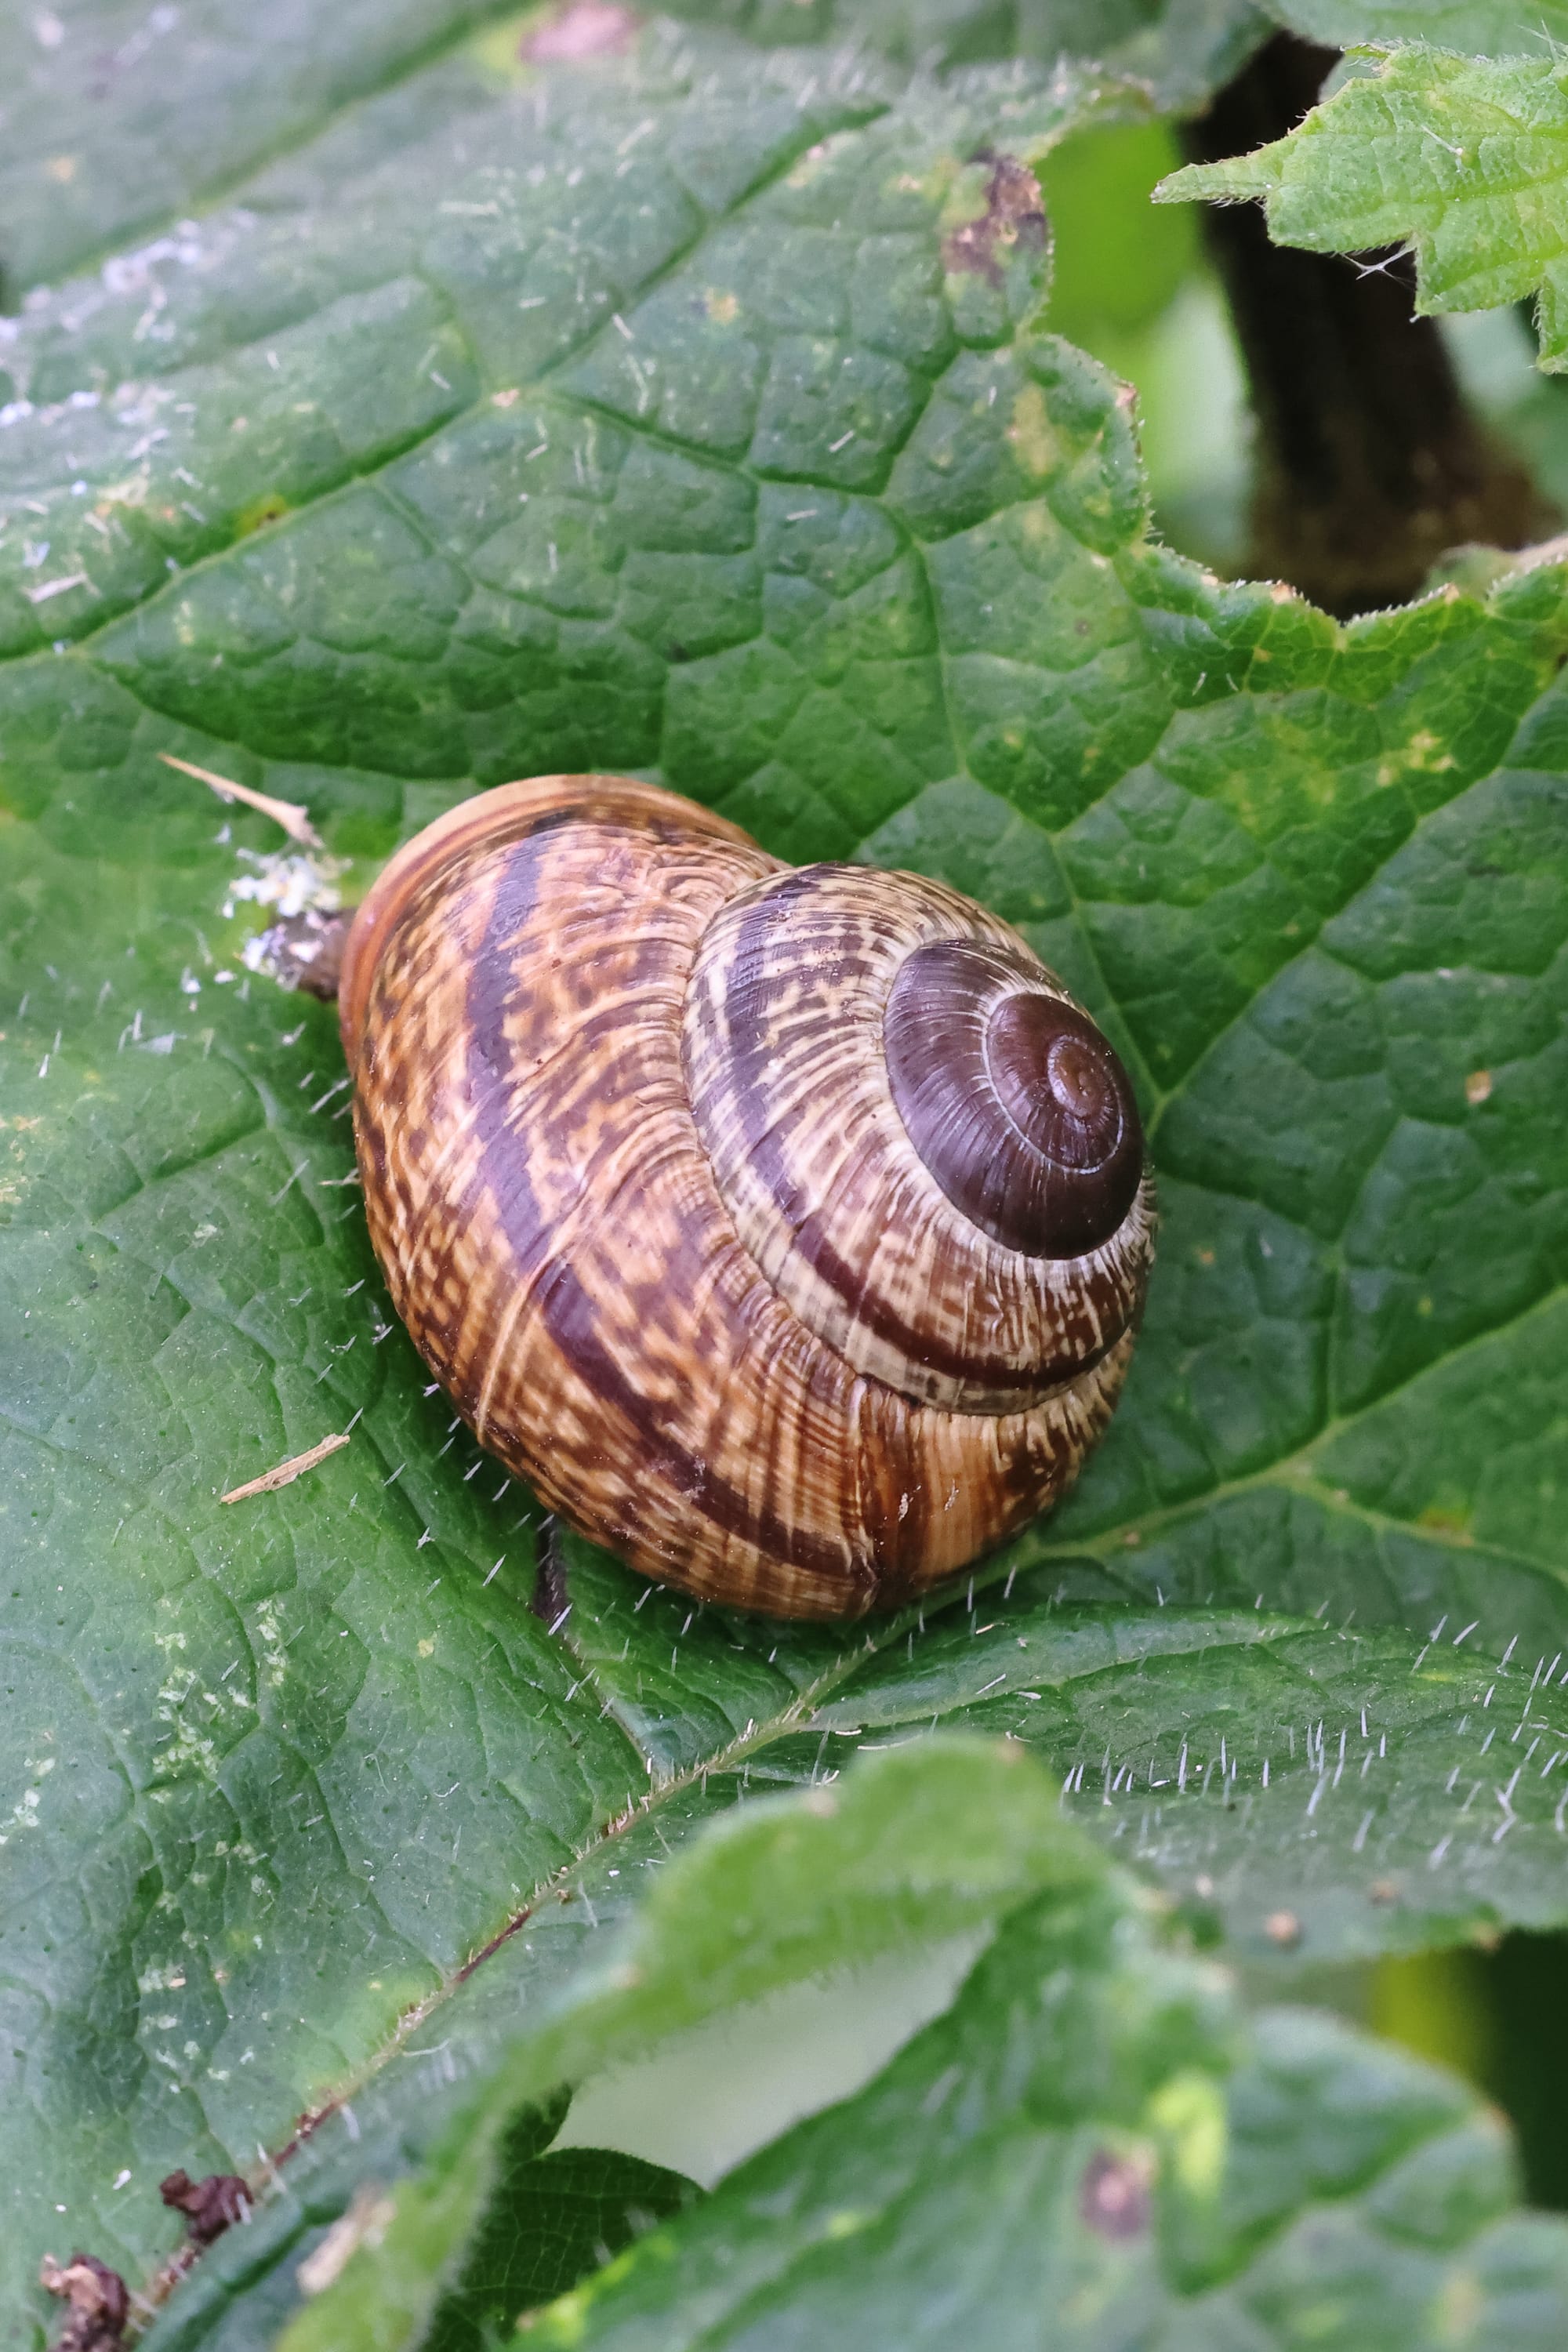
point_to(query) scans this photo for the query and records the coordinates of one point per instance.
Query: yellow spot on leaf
(1445, 1520)
(1034, 443)
(847, 2224)
(1189, 2115)
(270, 508)
(722, 309)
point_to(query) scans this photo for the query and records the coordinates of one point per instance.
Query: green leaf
(1182, 49)
(943, 1838)
(1343, 1794)
(1093, 2132)
(117, 120)
(1094, 2129)
(1463, 158)
(699, 413)
(1485, 28)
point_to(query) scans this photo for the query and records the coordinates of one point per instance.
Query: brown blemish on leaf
(1014, 218)
(1477, 1087)
(99, 2305)
(210, 2206)
(1114, 2197)
(1282, 1928)
(584, 28)
(282, 1475)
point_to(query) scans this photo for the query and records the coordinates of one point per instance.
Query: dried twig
(294, 819)
(285, 1472)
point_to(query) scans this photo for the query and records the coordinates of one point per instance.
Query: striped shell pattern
(785, 1229)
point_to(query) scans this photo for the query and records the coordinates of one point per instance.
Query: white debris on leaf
(299, 889)
(289, 881)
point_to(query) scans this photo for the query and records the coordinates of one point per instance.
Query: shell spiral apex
(785, 1229)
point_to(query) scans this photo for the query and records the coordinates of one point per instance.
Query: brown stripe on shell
(547, 1221)
(650, 1386)
(783, 1048)
(942, 1488)
(509, 813)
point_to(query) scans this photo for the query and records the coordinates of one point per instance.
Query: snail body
(785, 1229)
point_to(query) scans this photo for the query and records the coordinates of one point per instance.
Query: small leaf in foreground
(1094, 2147)
(911, 1847)
(1463, 158)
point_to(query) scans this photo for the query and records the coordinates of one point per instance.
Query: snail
(785, 1229)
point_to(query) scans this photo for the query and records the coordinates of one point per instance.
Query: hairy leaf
(1181, 49)
(115, 120)
(1092, 2149)
(1483, 28)
(945, 1838)
(1093, 2131)
(1463, 158)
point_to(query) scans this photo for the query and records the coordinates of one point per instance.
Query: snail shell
(785, 1229)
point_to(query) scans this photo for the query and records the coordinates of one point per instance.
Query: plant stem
(1369, 463)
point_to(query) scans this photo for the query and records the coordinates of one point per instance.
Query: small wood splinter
(285, 1472)
(294, 819)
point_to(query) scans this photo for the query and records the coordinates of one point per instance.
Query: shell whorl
(839, 1162)
(655, 1170)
